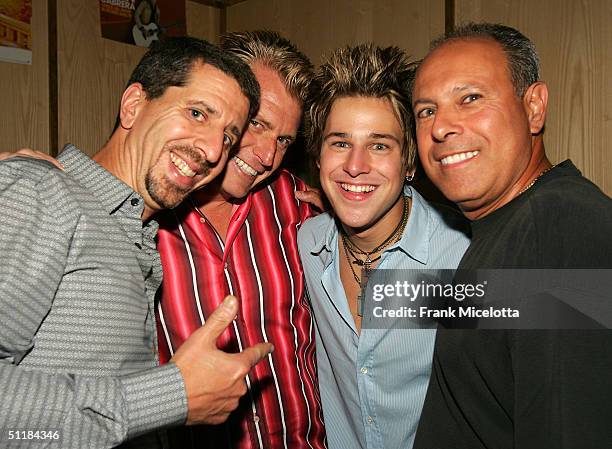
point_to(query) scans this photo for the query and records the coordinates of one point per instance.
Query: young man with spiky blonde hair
(372, 381)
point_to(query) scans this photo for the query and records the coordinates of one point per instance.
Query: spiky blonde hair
(275, 52)
(365, 70)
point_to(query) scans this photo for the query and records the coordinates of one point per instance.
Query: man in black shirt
(480, 110)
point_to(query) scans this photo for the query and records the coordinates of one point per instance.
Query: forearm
(90, 411)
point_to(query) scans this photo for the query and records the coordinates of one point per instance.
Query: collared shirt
(373, 383)
(259, 264)
(77, 284)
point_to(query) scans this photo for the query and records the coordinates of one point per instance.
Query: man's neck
(217, 207)
(374, 235)
(536, 167)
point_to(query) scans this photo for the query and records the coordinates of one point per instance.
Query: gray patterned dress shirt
(78, 276)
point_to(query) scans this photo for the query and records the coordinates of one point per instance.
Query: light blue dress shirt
(373, 383)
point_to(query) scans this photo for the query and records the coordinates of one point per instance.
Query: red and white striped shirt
(259, 264)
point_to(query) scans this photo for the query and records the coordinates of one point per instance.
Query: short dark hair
(365, 70)
(169, 62)
(523, 61)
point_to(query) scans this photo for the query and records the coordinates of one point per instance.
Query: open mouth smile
(459, 157)
(244, 167)
(357, 188)
(182, 166)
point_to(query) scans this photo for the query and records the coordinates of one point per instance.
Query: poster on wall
(141, 22)
(16, 31)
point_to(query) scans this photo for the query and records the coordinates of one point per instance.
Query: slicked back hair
(169, 62)
(363, 71)
(523, 61)
(275, 52)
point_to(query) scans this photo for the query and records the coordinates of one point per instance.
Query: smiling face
(474, 134)
(361, 166)
(267, 137)
(180, 141)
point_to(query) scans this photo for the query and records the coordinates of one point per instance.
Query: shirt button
(134, 201)
(364, 370)
(256, 419)
(370, 420)
(202, 220)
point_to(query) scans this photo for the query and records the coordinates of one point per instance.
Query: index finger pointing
(255, 354)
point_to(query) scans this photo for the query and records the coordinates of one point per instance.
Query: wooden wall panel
(93, 71)
(203, 21)
(24, 115)
(319, 26)
(574, 41)
(92, 74)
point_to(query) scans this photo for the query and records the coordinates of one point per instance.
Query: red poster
(141, 22)
(16, 31)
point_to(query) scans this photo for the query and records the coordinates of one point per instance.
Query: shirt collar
(416, 237)
(111, 192)
(414, 241)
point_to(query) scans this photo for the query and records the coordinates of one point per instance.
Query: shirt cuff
(155, 398)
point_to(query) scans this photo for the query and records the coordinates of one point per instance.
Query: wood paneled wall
(574, 41)
(319, 26)
(24, 111)
(93, 71)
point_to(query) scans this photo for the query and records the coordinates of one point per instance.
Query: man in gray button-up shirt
(79, 274)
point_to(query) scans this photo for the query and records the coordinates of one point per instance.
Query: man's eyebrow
(264, 122)
(463, 87)
(336, 134)
(384, 136)
(422, 101)
(201, 104)
(457, 89)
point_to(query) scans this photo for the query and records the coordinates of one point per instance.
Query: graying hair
(275, 52)
(523, 61)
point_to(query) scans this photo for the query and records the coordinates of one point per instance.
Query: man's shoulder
(284, 179)
(313, 229)
(28, 169)
(569, 199)
(573, 221)
(446, 221)
(35, 177)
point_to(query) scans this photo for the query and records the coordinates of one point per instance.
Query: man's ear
(535, 102)
(132, 101)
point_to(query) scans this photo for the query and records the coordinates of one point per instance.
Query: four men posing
(479, 117)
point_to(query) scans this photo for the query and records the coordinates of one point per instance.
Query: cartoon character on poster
(141, 22)
(146, 27)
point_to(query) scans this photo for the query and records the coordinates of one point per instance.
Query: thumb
(222, 317)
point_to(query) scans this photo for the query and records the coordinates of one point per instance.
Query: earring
(409, 178)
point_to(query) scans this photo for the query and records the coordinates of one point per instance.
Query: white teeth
(459, 157)
(357, 189)
(246, 168)
(182, 166)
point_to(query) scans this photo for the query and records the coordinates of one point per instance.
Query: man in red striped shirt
(238, 236)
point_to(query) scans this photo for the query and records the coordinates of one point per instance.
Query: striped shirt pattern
(258, 263)
(77, 283)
